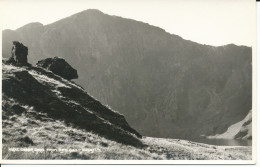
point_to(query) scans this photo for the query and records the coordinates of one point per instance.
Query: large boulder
(59, 67)
(19, 54)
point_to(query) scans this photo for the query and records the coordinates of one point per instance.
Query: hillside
(158, 80)
(47, 117)
(41, 95)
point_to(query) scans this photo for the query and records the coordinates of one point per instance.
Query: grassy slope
(25, 131)
(32, 129)
(63, 100)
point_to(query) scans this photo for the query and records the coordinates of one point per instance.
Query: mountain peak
(90, 11)
(93, 10)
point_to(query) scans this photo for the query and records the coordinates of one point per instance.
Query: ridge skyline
(143, 21)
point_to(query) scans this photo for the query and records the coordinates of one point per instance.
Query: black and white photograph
(144, 81)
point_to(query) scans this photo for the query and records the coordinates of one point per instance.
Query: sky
(212, 22)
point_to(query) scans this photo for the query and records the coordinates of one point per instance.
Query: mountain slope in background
(164, 85)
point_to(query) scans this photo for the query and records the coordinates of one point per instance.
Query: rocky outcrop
(19, 54)
(33, 88)
(59, 67)
(245, 131)
(239, 130)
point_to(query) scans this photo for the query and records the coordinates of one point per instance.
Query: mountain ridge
(100, 12)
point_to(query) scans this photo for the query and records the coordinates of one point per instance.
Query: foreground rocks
(19, 54)
(59, 67)
(35, 90)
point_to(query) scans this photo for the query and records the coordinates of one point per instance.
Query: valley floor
(187, 150)
(158, 149)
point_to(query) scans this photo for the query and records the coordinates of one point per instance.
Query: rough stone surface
(19, 54)
(59, 67)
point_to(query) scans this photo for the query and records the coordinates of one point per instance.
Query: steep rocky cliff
(164, 85)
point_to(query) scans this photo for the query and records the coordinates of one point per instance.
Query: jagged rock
(59, 66)
(19, 54)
